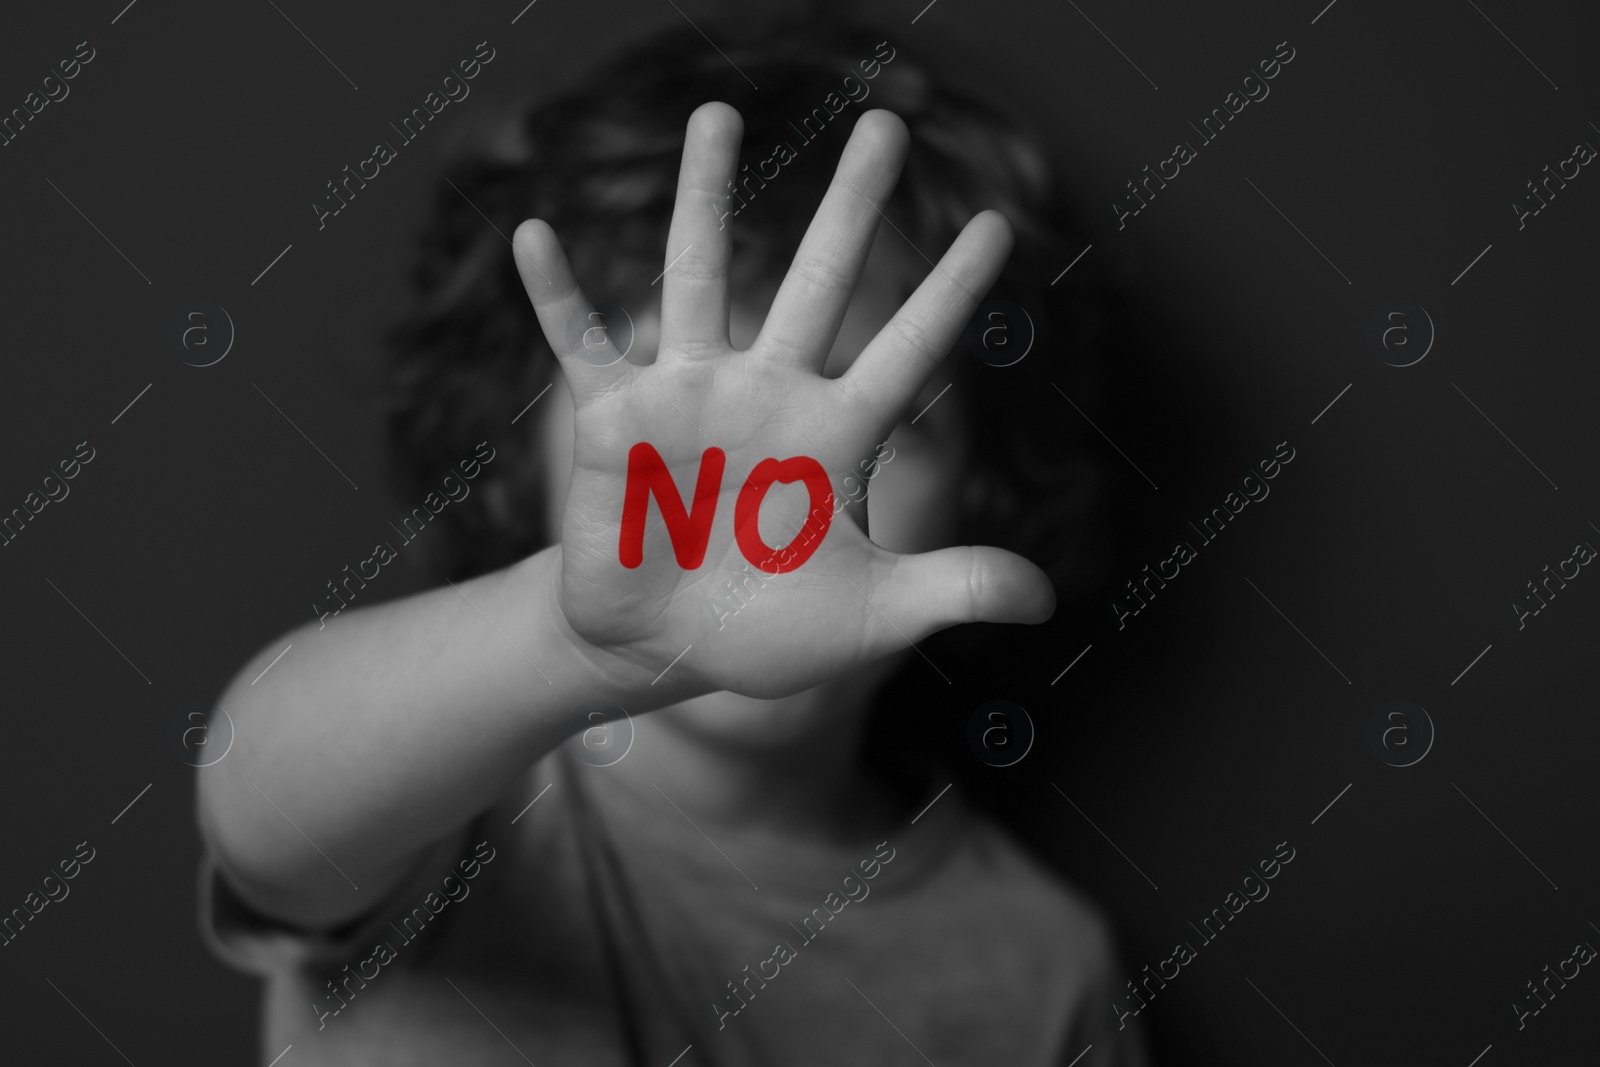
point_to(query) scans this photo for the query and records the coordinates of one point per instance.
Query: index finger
(889, 373)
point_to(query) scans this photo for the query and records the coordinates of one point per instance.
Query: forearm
(388, 729)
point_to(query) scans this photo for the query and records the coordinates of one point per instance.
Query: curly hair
(600, 164)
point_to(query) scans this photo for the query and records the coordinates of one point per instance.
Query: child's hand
(850, 602)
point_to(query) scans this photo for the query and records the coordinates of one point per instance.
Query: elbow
(240, 816)
(266, 863)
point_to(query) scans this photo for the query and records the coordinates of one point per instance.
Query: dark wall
(1220, 721)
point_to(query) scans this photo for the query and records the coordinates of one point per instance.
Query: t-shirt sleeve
(1095, 1033)
(1103, 1045)
(249, 940)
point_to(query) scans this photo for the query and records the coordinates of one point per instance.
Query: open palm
(850, 602)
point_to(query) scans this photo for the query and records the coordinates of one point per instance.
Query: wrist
(611, 677)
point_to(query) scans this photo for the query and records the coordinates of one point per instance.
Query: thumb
(972, 583)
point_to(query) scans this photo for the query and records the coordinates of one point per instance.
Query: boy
(596, 800)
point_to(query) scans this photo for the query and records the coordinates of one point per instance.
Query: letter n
(690, 530)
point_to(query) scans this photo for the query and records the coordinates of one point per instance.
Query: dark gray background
(1195, 739)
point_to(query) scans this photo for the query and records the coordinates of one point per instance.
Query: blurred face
(912, 504)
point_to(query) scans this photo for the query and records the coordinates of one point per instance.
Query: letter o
(747, 511)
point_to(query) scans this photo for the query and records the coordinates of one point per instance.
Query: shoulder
(1004, 911)
(1033, 904)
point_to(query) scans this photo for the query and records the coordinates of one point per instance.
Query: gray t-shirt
(600, 927)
